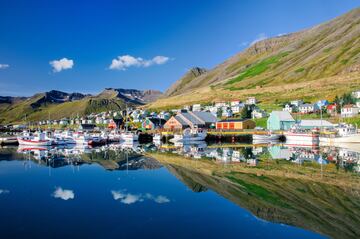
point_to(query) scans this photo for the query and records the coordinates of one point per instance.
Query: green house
(280, 120)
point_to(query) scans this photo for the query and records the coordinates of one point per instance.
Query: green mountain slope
(322, 57)
(57, 105)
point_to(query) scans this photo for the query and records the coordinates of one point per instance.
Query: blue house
(280, 120)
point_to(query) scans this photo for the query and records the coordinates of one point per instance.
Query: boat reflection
(347, 158)
(112, 157)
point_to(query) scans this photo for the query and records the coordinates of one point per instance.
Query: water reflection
(342, 157)
(64, 194)
(130, 198)
(328, 206)
(129, 156)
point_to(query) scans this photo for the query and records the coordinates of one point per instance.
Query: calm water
(115, 192)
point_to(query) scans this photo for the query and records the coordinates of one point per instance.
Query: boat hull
(302, 139)
(34, 142)
(342, 139)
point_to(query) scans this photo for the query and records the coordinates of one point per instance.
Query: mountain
(132, 95)
(184, 82)
(57, 104)
(319, 62)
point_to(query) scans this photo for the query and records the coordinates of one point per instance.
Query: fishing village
(180, 119)
(298, 123)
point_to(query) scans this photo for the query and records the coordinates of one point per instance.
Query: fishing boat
(297, 136)
(157, 137)
(8, 140)
(129, 136)
(81, 138)
(344, 133)
(189, 135)
(38, 139)
(266, 137)
(63, 138)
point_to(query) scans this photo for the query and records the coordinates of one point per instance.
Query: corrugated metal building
(191, 119)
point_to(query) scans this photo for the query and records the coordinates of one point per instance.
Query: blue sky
(85, 47)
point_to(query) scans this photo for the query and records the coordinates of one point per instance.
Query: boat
(64, 137)
(8, 140)
(265, 137)
(129, 136)
(38, 139)
(81, 138)
(189, 135)
(299, 137)
(344, 133)
(157, 137)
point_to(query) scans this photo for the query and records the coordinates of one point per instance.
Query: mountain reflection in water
(323, 195)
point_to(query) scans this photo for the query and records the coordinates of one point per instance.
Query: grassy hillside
(13, 113)
(57, 104)
(315, 63)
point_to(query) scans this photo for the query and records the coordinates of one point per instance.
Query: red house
(331, 109)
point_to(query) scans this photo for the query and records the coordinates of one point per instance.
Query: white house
(349, 111)
(99, 120)
(227, 113)
(296, 103)
(308, 108)
(64, 122)
(234, 102)
(236, 109)
(289, 108)
(356, 94)
(251, 101)
(221, 104)
(196, 107)
(358, 103)
(258, 114)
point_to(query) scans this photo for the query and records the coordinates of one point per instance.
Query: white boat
(81, 138)
(344, 134)
(299, 137)
(157, 137)
(190, 135)
(8, 140)
(266, 137)
(64, 137)
(129, 136)
(39, 139)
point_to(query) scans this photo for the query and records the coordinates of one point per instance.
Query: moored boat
(265, 137)
(300, 137)
(38, 139)
(344, 133)
(129, 136)
(8, 140)
(189, 135)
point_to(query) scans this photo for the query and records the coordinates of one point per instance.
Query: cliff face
(182, 84)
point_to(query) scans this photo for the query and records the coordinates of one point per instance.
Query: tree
(246, 112)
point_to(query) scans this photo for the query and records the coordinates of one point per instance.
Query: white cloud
(129, 198)
(126, 198)
(4, 191)
(62, 64)
(63, 194)
(126, 61)
(4, 66)
(158, 199)
(260, 37)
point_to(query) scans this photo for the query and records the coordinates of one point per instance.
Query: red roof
(331, 107)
